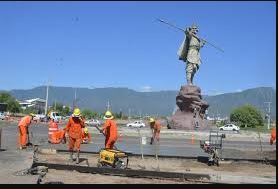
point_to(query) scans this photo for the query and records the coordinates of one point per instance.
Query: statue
(191, 111)
(189, 52)
(189, 100)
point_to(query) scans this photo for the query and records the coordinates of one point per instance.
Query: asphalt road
(167, 146)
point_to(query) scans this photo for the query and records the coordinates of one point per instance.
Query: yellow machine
(112, 158)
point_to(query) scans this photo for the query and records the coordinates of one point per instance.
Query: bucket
(144, 140)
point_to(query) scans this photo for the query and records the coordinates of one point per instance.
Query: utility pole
(55, 105)
(268, 114)
(74, 98)
(128, 113)
(108, 106)
(46, 99)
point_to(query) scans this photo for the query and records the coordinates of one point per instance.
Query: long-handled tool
(102, 133)
(28, 138)
(172, 25)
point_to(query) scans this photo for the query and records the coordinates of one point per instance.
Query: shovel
(28, 137)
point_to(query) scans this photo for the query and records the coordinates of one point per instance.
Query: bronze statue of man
(189, 52)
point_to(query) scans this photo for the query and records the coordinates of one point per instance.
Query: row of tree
(244, 116)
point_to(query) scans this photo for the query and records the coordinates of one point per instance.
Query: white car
(93, 122)
(39, 117)
(229, 127)
(136, 124)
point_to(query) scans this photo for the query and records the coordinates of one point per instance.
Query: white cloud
(238, 90)
(146, 89)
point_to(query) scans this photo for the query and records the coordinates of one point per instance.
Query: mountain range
(131, 102)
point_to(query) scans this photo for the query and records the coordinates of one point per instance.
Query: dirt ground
(83, 178)
(226, 168)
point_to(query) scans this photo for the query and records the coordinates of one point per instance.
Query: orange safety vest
(110, 129)
(273, 135)
(74, 127)
(52, 128)
(25, 121)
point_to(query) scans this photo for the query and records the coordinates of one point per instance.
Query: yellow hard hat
(32, 114)
(151, 120)
(76, 112)
(108, 115)
(86, 130)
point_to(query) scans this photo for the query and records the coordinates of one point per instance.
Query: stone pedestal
(191, 110)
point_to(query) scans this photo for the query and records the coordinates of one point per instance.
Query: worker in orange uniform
(110, 130)
(155, 127)
(74, 130)
(273, 135)
(55, 136)
(52, 127)
(86, 136)
(23, 129)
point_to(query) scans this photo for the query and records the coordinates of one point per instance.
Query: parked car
(2, 116)
(39, 117)
(93, 122)
(136, 124)
(54, 115)
(229, 127)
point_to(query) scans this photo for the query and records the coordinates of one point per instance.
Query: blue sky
(120, 44)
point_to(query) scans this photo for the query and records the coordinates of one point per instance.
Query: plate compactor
(112, 158)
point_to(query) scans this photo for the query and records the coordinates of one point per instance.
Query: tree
(88, 114)
(247, 115)
(12, 105)
(66, 111)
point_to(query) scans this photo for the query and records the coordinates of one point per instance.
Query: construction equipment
(112, 158)
(213, 146)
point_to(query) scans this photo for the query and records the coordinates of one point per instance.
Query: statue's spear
(193, 34)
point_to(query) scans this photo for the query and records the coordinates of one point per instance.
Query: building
(37, 103)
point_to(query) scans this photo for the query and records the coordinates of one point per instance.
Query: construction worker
(23, 130)
(74, 130)
(110, 130)
(86, 136)
(273, 136)
(155, 127)
(52, 127)
(55, 136)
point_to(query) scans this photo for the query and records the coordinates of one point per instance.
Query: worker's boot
(77, 157)
(71, 156)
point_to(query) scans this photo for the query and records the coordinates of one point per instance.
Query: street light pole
(46, 99)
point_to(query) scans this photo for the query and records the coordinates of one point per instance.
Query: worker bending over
(155, 127)
(23, 130)
(55, 136)
(74, 130)
(86, 136)
(273, 135)
(110, 130)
